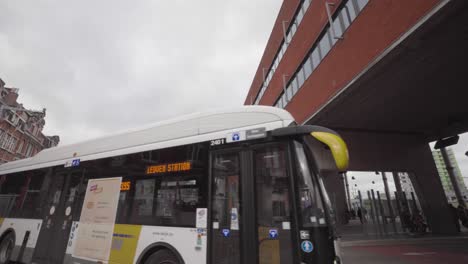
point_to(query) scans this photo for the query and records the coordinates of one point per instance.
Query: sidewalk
(355, 231)
(427, 250)
(366, 244)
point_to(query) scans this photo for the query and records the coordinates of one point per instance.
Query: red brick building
(314, 53)
(388, 75)
(20, 129)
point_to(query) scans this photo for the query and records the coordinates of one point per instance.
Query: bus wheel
(163, 256)
(6, 247)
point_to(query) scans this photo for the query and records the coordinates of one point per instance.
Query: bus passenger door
(273, 212)
(225, 246)
(61, 202)
(251, 206)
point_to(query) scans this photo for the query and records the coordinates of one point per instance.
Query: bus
(225, 187)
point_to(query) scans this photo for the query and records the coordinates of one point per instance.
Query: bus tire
(162, 256)
(6, 247)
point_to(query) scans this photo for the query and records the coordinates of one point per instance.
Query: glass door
(225, 213)
(273, 205)
(251, 206)
(57, 217)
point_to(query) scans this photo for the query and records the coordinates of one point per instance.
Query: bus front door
(58, 209)
(251, 211)
(225, 203)
(273, 211)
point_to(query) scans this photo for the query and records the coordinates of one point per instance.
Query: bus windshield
(311, 205)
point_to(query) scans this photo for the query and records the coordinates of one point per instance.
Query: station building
(388, 75)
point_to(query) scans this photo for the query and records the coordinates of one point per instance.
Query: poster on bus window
(96, 226)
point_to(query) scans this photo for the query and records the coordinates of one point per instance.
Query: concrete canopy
(419, 87)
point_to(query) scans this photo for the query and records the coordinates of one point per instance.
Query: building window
(300, 77)
(302, 9)
(351, 10)
(8, 142)
(29, 150)
(13, 118)
(289, 92)
(315, 57)
(20, 147)
(343, 20)
(294, 85)
(361, 4)
(308, 67)
(325, 45)
(12, 144)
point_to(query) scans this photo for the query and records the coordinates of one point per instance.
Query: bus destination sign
(170, 167)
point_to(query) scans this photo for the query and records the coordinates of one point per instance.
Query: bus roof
(187, 129)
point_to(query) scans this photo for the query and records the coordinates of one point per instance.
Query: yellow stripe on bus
(124, 243)
(1, 221)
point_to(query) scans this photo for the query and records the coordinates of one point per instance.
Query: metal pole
(397, 200)
(396, 179)
(371, 207)
(347, 190)
(453, 179)
(415, 205)
(382, 212)
(284, 32)
(376, 211)
(360, 198)
(389, 201)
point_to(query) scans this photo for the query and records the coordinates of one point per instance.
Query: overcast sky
(102, 66)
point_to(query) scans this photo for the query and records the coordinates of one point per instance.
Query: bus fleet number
(217, 142)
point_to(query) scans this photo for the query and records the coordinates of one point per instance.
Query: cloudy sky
(102, 66)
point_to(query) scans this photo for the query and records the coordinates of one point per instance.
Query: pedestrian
(454, 213)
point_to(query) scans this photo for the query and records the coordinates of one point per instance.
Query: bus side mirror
(337, 146)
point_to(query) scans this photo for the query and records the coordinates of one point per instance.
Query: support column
(428, 187)
(396, 179)
(389, 201)
(453, 179)
(409, 153)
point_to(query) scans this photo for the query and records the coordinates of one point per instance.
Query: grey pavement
(357, 246)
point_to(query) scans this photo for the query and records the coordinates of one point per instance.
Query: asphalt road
(423, 250)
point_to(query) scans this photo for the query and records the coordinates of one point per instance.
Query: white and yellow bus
(238, 186)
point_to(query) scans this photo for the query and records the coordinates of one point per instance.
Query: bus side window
(10, 200)
(32, 192)
(168, 197)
